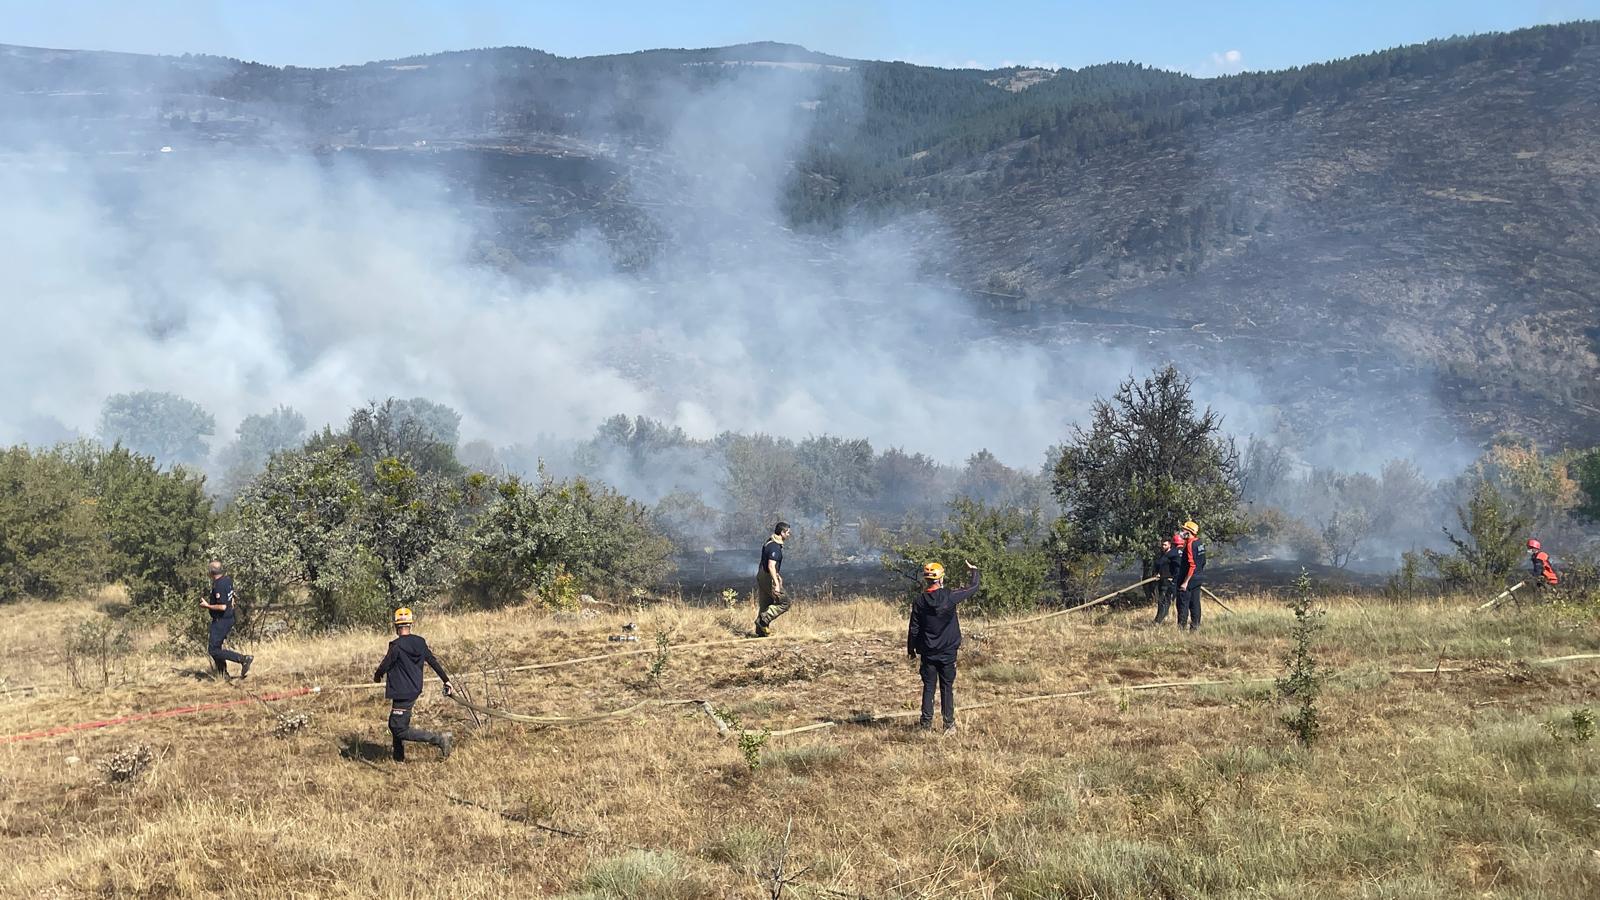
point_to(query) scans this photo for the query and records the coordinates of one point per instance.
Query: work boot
(761, 630)
(244, 667)
(950, 727)
(925, 725)
(446, 742)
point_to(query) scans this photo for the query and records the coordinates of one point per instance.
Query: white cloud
(1222, 62)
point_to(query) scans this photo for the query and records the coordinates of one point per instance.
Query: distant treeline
(390, 509)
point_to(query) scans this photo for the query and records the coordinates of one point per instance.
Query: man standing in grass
(1190, 577)
(403, 666)
(220, 603)
(935, 635)
(1168, 566)
(769, 580)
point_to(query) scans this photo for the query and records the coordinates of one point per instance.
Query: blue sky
(1200, 37)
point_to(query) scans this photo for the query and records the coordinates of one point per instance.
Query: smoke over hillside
(243, 279)
(247, 275)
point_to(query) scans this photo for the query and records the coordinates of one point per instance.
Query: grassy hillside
(1424, 785)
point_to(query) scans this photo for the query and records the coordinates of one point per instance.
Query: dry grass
(1424, 786)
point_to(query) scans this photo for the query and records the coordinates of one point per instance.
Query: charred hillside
(1414, 223)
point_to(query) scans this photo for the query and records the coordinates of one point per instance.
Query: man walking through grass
(220, 603)
(403, 667)
(769, 580)
(935, 635)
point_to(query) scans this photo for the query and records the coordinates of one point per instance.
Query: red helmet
(1533, 544)
(1177, 537)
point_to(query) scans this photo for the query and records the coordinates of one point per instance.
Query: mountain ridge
(1418, 221)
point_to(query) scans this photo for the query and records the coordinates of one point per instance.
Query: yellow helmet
(1192, 528)
(403, 616)
(933, 572)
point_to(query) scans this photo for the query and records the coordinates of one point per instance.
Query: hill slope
(1365, 236)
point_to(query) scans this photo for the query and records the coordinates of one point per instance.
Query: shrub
(1303, 682)
(1006, 544)
(126, 764)
(1490, 546)
(533, 533)
(51, 544)
(92, 649)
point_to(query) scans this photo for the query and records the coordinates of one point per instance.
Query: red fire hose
(159, 714)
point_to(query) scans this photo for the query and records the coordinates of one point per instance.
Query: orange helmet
(933, 572)
(1533, 544)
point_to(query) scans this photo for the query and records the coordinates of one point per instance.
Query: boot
(244, 667)
(447, 741)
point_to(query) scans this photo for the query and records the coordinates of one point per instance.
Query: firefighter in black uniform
(770, 597)
(220, 603)
(403, 666)
(935, 635)
(1190, 577)
(1168, 565)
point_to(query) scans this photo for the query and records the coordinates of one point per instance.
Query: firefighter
(403, 667)
(1191, 576)
(935, 635)
(1543, 573)
(769, 580)
(223, 609)
(1167, 568)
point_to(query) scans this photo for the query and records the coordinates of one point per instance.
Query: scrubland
(1479, 779)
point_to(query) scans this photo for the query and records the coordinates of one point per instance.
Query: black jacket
(1169, 564)
(935, 629)
(403, 665)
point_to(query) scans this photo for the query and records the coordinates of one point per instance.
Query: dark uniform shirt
(403, 665)
(1539, 562)
(771, 550)
(222, 595)
(1170, 563)
(935, 629)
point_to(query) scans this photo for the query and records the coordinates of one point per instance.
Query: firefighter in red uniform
(1544, 574)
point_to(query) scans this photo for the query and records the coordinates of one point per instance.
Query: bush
(1007, 545)
(155, 521)
(51, 543)
(534, 533)
(1303, 682)
(1490, 547)
(92, 650)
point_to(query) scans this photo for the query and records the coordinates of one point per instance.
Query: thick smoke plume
(248, 278)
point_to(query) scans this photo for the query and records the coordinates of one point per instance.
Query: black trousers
(400, 729)
(939, 674)
(1189, 606)
(220, 656)
(1164, 596)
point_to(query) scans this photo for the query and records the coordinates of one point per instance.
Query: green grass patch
(641, 875)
